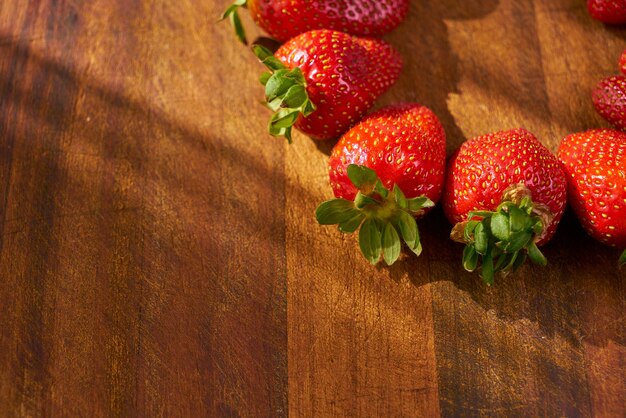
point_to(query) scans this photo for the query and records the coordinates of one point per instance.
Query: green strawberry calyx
(622, 259)
(285, 93)
(384, 216)
(232, 13)
(504, 238)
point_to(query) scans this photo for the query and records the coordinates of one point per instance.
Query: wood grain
(142, 248)
(159, 254)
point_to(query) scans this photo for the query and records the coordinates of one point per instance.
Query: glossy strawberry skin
(285, 19)
(622, 62)
(608, 11)
(484, 167)
(609, 99)
(405, 144)
(344, 76)
(595, 166)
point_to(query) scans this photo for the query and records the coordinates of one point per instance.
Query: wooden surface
(159, 254)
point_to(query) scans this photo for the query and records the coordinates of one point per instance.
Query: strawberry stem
(232, 13)
(383, 216)
(285, 93)
(504, 238)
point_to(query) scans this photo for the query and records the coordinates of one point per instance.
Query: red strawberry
(339, 75)
(609, 98)
(505, 192)
(595, 166)
(386, 171)
(285, 19)
(608, 11)
(622, 62)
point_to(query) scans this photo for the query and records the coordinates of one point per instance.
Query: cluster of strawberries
(505, 192)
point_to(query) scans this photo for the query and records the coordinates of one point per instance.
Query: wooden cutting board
(159, 254)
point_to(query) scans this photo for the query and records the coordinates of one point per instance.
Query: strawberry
(595, 166)
(324, 81)
(506, 193)
(608, 11)
(609, 99)
(285, 19)
(385, 172)
(622, 62)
